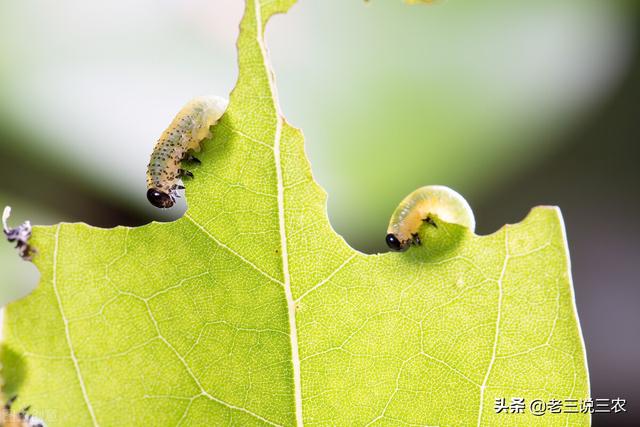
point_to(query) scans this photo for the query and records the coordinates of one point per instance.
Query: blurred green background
(512, 103)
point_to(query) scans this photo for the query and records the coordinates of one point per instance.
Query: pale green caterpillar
(176, 144)
(422, 206)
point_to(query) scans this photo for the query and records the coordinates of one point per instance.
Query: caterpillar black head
(160, 199)
(395, 244)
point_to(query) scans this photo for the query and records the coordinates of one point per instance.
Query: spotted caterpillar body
(183, 136)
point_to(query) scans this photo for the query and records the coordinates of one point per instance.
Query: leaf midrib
(291, 304)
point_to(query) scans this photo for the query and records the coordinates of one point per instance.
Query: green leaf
(251, 310)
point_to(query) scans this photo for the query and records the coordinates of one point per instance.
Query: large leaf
(251, 310)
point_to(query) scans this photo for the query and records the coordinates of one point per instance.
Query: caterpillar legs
(183, 172)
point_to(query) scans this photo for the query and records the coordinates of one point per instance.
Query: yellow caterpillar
(423, 205)
(183, 136)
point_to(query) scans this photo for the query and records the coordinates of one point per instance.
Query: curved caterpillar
(21, 419)
(183, 136)
(422, 206)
